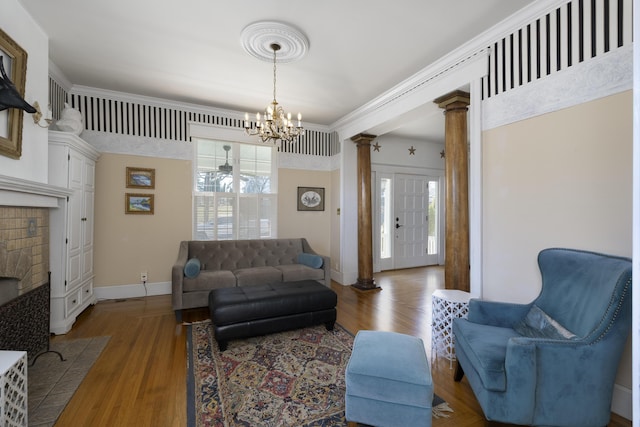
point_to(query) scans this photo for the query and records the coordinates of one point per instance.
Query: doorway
(407, 224)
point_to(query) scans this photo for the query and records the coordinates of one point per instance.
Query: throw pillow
(192, 268)
(311, 260)
(538, 324)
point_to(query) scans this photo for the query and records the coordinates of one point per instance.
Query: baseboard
(336, 276)
(622, 402)
(131, 291)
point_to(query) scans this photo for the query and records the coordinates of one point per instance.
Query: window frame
(238, 198)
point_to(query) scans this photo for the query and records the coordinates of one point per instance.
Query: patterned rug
(293, 378)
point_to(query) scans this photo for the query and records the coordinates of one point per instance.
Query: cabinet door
(87, 219)
(74, 220)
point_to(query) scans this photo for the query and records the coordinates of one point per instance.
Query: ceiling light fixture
(275, 125)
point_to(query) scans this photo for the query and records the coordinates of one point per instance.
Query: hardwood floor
(140, 378)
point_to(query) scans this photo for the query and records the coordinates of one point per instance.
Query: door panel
(410, 220)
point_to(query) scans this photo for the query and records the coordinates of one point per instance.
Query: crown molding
(473, 49)
(166, 103)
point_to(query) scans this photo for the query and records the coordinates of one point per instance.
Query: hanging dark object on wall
(9, 95)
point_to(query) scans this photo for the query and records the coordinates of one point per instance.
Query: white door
(406, 221)
(410, 220)
(86, 221)
(74, 225)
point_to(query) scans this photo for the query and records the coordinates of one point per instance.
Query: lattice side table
(446, 305)
(13, 388)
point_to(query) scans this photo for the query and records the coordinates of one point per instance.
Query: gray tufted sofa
(230, 263)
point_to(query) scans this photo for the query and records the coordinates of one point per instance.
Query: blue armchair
(552, 362)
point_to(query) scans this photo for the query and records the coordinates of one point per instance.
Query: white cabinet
(72, 164)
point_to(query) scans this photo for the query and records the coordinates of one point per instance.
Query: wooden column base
(366, 285)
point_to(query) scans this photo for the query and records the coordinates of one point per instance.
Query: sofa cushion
(257, 276)
(310, 260)
(209, 280)
(192, 268)
(486, 347)
(538, 324)
(294, 272)
(237, 254)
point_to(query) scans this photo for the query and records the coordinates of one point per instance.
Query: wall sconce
(38, 117)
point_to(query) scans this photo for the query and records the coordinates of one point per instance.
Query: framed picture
(138, 204)
(14, 60)
(141, 178)
(310, 198)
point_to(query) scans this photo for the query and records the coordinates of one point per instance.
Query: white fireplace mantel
(24, 193)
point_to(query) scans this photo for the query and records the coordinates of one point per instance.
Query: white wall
(394, 152)
(19, 25)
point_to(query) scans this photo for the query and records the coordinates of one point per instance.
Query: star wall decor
(412, 151)
(376, 147)
(442, 154)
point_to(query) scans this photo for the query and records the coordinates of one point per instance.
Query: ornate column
(456, 169)
(365, 240)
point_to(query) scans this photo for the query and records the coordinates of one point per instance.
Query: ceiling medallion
(277, 42)
(258, 37)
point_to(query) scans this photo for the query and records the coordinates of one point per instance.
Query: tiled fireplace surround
(24, 247)
(24, 233)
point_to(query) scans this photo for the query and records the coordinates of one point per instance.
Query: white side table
(13, 388)
(446, 305)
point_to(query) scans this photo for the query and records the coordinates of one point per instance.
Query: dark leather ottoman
(248, 311)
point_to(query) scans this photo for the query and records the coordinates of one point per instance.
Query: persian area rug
(292, 379)
(53, 382)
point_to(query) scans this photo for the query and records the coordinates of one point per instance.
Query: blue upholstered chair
(552, 362)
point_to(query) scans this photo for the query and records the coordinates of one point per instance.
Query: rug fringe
(440, 410)
(196, 323)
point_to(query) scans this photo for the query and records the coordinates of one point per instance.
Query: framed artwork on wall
(310, 198)
(138, 204)
(14, 61)
(141, 178)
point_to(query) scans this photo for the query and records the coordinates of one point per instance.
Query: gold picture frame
(15, 64)
(140, 204)
(141, 178)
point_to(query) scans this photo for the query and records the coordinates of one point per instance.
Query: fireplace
(24, 322)
(24, 263)
(8, 289)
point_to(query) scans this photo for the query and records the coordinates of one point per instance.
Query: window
(234, 194)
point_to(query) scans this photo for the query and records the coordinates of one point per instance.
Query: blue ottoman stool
(388, 381)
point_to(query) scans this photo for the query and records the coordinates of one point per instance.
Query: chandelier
(274, 125)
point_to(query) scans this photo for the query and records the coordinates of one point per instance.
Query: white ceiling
(190, 50)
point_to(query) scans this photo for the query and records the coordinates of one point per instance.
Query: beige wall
(561, 179)
(126, 245)
(315, 226)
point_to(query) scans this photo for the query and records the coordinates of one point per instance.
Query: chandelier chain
(274, 74)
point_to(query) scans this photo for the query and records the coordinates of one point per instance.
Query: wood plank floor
(140, 378)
